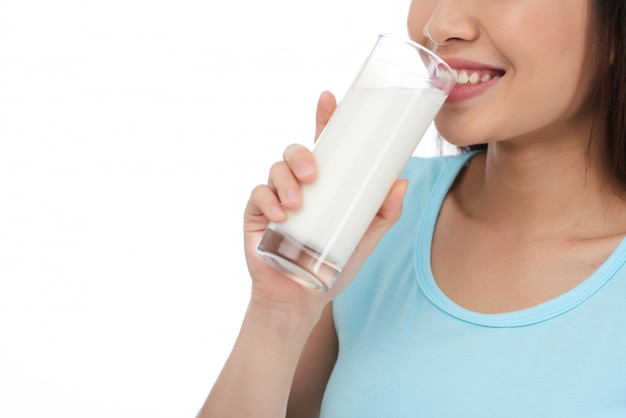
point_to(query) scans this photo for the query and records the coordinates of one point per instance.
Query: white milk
(357, 164)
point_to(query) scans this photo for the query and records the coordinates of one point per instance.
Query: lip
(463, 92)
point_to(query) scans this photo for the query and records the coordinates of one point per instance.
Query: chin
(463, 143)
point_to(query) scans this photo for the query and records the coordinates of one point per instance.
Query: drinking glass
(361, 152)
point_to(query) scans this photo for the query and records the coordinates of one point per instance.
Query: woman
(501, 289)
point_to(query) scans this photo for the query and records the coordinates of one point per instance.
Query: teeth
(468, 77)
(444, 75)
(463, 76)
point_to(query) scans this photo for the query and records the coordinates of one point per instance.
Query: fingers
(301, 162)
(264, 203)
(282, 191)
(326, 105)
(283, 182)
(298, 166)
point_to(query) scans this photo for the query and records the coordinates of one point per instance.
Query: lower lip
(463, 92)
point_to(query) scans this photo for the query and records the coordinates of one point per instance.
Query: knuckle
(293, 150)
(276, 168)
(258, 191)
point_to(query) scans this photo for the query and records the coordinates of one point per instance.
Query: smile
(471, 77)
(472, 83)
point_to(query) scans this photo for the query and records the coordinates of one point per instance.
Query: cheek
(553, 81)
(555, 54)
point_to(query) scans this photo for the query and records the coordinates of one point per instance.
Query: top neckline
(538, 313)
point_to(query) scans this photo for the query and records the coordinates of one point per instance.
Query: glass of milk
(361, 152)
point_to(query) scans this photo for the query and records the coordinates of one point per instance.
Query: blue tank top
(406, 350)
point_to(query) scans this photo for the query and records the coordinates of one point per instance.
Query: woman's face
(521, 65)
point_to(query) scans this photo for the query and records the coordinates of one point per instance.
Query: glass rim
(416, 45)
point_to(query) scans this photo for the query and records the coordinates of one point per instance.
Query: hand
(282, 192)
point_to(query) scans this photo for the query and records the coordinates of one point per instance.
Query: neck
(542, 189)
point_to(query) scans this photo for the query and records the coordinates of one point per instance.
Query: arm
(314, 368)
(275, 369)
(287, 345)
(256, 379)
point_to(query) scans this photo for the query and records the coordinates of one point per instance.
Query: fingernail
(306, 168)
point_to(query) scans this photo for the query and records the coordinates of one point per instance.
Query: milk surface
(360, 154)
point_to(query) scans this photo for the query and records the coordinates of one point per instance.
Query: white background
(131, 134)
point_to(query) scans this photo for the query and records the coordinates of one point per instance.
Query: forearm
(257, 376)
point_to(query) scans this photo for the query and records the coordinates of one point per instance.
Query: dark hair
(608, 57)
(610, 27)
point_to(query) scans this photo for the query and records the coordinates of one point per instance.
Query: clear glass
(361, 152)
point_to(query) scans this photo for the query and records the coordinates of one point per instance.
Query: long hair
(610, 27)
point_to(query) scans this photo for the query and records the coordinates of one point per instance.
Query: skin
(533, 217)
(524, 222)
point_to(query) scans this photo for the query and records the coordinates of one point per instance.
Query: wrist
(283, 316)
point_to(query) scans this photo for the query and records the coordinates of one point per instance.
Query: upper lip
(457, 63)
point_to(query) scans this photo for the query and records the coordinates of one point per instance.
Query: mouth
(472, 79)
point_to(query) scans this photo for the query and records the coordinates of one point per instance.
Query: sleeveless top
(407, 350)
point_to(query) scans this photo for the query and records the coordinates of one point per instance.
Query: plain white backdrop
(131, 134)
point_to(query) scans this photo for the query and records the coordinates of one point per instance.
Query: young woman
(501, 288)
